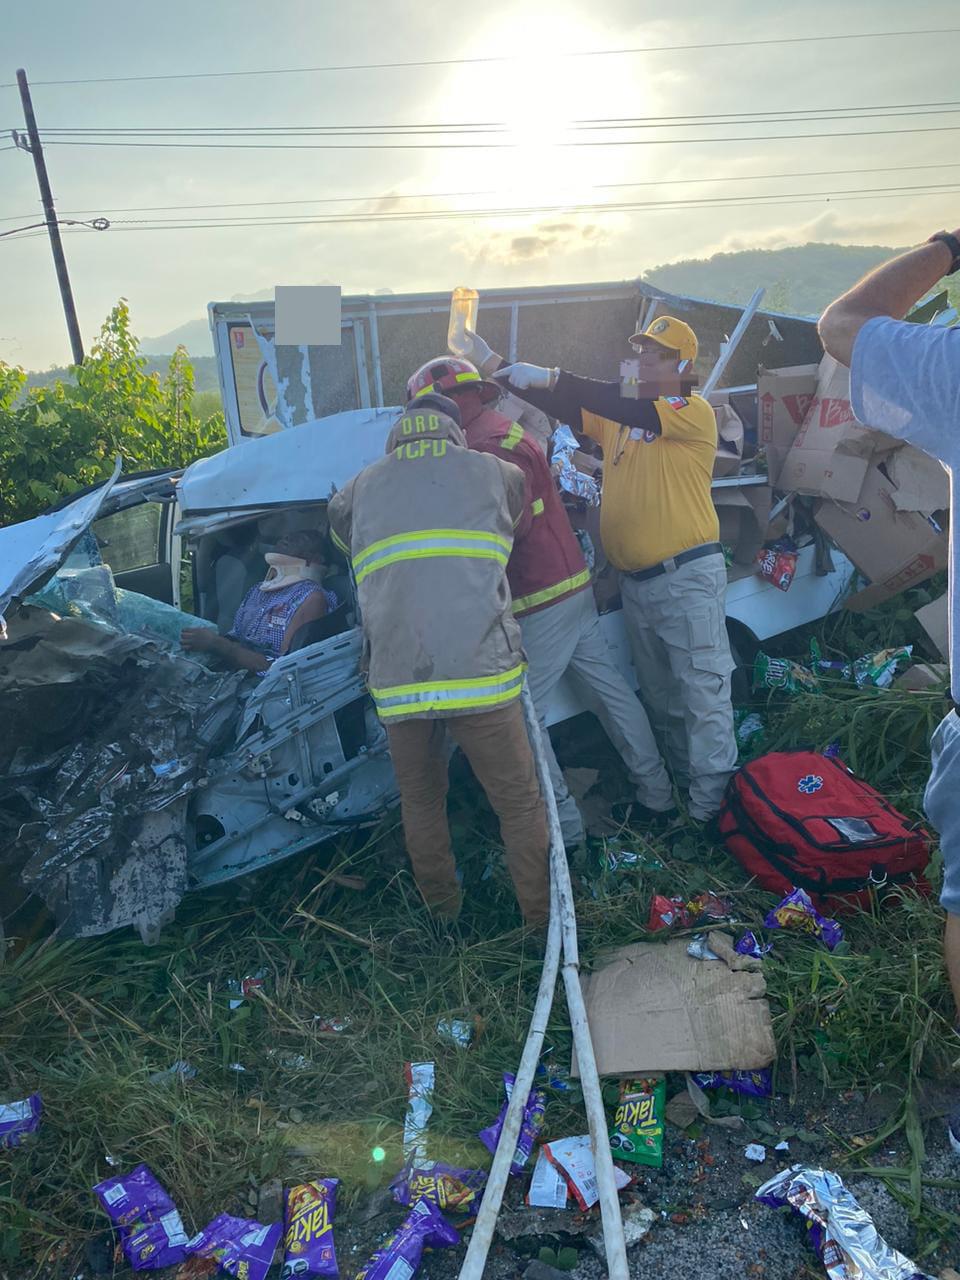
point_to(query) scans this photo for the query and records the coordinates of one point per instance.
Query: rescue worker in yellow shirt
(659, 528)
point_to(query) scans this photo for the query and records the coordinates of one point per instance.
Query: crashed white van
(130, 772)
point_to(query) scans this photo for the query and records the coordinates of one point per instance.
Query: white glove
(478, 352)
(525, 377)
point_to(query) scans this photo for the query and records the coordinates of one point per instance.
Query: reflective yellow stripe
(448, 695)
(522, 603)
(537, 506)
(460, 377)
(426, 553)
(513, 437)
(338, 542)
(462, 535)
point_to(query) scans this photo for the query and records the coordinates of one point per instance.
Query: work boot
(640, 817)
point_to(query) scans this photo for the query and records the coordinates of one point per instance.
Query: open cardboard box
(783, 398)
(744, 515)
(893, 547)
(832, 452)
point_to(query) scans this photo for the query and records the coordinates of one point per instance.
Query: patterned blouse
(263, 616)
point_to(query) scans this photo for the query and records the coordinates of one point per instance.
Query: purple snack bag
(796, 911)
(401, 1253)
(145, 1218)
(530, 1126)
(240, 1246)
(17, 1119)
(308, 1248)
(750, 945)
(453, 1190)
(756, 1084)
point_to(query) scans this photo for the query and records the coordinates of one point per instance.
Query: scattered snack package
(797, 912)
(400, 1255)
(533, 1112)
(637, 1131)
(574, 1158)
(150, 1229)
(308, 1247)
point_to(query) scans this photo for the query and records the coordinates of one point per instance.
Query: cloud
(546, 239)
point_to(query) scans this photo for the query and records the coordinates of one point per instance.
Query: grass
(87, 1023)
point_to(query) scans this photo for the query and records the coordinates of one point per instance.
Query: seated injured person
(272, 612)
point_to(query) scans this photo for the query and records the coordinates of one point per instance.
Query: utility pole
(46, 196)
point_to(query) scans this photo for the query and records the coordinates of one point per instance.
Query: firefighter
(553, 600)
(660, 530)
(428, 530)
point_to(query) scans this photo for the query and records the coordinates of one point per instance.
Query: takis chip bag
(777, 566)
(399, 1257)
(530, 1126)
(145, 1218)
(755, 1084)
(308, 1248)
(17, 1119)
(450, 1189)
(637, 1132)
(796, 911)
(241, 1247)
(750, 945)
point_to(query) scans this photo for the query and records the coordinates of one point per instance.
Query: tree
(59, 438)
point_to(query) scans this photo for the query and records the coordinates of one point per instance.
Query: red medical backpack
(796, 819)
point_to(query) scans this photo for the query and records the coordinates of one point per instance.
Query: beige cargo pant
(568, 638)
(678, 637)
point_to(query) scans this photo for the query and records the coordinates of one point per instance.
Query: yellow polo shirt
(656, 489)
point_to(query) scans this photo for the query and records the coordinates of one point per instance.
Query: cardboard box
(743, 515)
(895, 549)
(783, 398)
(934, 618)
(832, 451)
(654, 1008)
(730, 437)
(922, 483)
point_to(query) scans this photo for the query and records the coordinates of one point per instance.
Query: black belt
(674, 562)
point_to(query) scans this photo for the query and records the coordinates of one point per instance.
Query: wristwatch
(952, 243)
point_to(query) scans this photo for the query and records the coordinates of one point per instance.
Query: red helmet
(446, 375)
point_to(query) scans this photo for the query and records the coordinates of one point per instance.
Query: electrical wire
(939, 32)
(539, 210)
(648, 207)
(499, 146)
(810, 114)
(463, 195)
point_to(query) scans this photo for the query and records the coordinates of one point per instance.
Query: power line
(496, 146)
(939, 32)
(706, 202)
(460, 195)
(810, 114)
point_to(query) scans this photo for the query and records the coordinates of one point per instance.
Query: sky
(537, 100)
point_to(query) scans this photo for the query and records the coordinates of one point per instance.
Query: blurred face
(655, 360)
(470, 404)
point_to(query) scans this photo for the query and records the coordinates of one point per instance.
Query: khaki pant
(568, 638)
(678, 637)
(497, 746)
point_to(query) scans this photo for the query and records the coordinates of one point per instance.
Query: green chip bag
(637, 1132)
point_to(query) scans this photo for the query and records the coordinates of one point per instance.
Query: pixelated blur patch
(307, 315)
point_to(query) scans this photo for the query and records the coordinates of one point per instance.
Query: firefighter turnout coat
(429, 530)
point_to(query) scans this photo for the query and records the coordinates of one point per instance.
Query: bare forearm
(239, 656)
(889, 290)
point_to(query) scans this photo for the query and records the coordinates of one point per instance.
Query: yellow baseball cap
(667, 331)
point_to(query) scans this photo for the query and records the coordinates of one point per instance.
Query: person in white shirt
(905, 380)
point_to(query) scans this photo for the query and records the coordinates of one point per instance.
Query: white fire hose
(562, 931)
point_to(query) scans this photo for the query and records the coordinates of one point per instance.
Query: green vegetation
(800, 280)
(341, 934)
(59, 438)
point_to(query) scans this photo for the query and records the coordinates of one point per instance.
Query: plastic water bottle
(463, 315)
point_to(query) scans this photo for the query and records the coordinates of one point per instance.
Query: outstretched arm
(889, 290)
